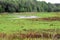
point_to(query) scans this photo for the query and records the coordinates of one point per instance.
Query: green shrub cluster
(27, 6)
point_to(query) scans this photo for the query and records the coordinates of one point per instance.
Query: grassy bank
(10, 25)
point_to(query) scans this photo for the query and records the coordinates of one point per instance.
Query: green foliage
(27, 6)
(1, 9)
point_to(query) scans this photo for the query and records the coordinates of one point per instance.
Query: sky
(51, 1)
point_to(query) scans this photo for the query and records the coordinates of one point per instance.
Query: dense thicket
(27, 6)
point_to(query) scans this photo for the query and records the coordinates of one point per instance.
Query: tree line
(27, 6)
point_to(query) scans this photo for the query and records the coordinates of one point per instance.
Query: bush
(1, 9)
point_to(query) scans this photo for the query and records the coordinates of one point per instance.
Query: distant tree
(1, 9)
(51, 7)
(27, 6)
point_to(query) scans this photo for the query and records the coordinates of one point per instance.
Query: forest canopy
(28, 6)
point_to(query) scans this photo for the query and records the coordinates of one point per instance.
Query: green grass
(8, 24)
